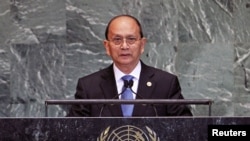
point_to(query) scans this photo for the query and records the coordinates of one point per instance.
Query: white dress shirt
(119, 81)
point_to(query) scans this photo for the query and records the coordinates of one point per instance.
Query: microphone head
(130, 83)
(126, 83)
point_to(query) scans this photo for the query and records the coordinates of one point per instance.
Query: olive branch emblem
(104, 135)
(151, 136)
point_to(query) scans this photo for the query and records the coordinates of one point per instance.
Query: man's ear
(106, 45)
(143, 43)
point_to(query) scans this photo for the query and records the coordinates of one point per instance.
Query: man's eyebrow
(116, 35)
(124, 36)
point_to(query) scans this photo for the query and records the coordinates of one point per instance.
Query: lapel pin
(149, 84)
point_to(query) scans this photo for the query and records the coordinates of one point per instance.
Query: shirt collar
(136, 72)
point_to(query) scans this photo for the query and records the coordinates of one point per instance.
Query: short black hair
(123, 15)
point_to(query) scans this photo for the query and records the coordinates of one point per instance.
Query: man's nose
(124, 44)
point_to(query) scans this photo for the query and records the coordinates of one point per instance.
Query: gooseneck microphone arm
(127, 84)
(130, 84)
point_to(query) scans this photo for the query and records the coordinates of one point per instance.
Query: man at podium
(127, 78)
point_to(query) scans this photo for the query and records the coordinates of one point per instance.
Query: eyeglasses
(129, 40)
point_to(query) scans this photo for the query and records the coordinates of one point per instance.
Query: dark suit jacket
(102, 85)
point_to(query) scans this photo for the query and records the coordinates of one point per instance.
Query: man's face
(124, 44)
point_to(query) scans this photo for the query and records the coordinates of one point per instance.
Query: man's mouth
(127, 54)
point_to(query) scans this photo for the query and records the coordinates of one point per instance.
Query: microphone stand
(128, 84)
(131, 82)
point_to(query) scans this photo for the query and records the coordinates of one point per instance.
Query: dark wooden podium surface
(108, 129)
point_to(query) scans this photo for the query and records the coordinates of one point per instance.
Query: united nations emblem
(128, 133)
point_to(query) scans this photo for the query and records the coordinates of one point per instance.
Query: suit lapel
(145, 90)
(109, 89)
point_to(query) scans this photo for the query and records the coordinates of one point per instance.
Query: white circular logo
(128, 133)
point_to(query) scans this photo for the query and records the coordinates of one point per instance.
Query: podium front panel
(112, 129)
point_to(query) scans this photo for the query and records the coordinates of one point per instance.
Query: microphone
(128, 84)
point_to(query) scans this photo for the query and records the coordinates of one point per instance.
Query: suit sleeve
(78, 110)
(175, 93)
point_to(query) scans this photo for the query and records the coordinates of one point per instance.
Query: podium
(196, 128)
(113, 129)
